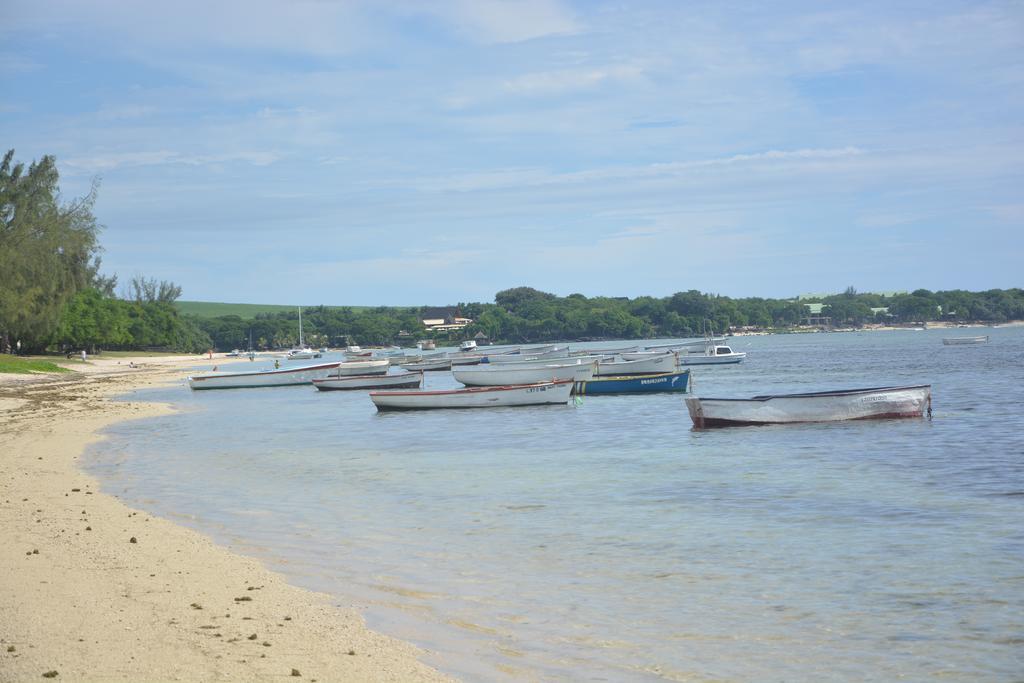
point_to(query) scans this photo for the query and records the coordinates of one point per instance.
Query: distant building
(814, 316)
(443, 319)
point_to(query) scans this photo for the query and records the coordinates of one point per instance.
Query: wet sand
(96, 591)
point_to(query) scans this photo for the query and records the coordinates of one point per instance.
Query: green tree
(48, 250)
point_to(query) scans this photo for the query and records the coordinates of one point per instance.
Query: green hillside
(216, 309)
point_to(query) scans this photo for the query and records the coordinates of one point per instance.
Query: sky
(430, 152)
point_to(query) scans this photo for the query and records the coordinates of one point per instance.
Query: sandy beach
(96, 591)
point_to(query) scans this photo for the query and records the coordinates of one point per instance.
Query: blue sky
(429, 152)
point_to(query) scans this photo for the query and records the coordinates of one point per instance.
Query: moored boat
(363, 367)
(543, 393)
(714, 354)
(962, 341)
(822, 406)
(636, 384)
(263, 378)
(405, 380)
(657, 364)
(429, 364)
(504, 375)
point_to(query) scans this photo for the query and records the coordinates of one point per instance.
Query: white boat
(428, 364)
(546, 362)
(641, 355)
(363, 367)
(503, 375)
(263, 378)
(234, 353)
(822, 406)
(551, 353)
(692, 344)
(468, 359)
(301, 352)
(662, 363)
(961, 341)
(405, 380)
(402, 358)
(304, 353)
(541, 393)
(467, 346)
(714, 354)
(604, 352)
(426, 345)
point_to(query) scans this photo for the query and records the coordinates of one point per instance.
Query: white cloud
(506, 21)
(106, 162)
(567, 80)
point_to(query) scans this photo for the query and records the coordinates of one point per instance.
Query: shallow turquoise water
(609, 541)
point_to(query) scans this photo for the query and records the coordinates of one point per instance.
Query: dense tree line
(52, 294)
(524, 314)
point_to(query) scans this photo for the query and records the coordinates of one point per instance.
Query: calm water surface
(611, 542)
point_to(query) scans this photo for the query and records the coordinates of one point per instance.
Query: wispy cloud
(507, 21)
(106, 162)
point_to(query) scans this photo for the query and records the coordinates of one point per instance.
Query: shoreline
(96, 590)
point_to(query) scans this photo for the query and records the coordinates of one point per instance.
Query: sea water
(609, 541)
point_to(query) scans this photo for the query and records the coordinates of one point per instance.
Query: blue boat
(635, 384)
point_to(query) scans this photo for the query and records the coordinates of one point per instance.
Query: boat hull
(363, 367)
(644, 366)
(636, 384)
(964, 341)
(701, 359)
(263, 378)
(426, 364)
(826, 406)
(486, 376)
(407, 380)
(545, 393)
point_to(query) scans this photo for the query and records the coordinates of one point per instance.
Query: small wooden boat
(504, 375)
(657, 364)
(545, 362)
(303, 353)
(961, 341)
(542, 393)
(263, 378)
(363, 367)
(683, 345)
(822, 406)
(405, 380)
(429, 364)
(636, 384)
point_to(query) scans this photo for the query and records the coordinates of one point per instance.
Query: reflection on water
(609, 541)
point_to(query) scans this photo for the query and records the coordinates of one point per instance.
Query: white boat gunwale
(821, 394)
(473, 390)
(254, 373)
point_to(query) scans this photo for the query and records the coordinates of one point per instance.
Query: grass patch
(216, 309)
(24, 366)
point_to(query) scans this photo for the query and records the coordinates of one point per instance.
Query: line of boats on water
(552, 375)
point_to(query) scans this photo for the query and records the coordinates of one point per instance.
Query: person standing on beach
(83, 355)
